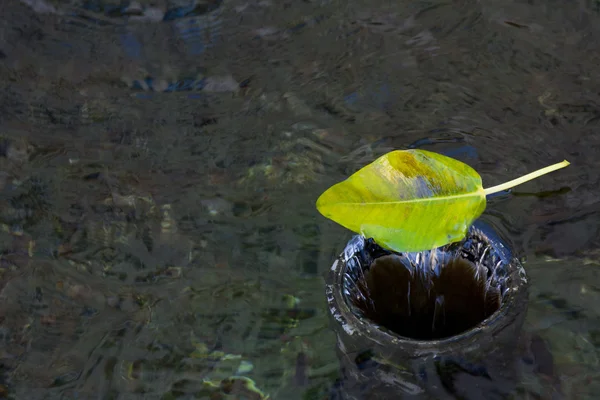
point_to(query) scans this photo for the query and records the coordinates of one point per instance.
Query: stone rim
(514, 303)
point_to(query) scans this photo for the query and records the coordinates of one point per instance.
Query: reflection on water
(159, 163)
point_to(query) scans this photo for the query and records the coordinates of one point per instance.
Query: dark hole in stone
(428, 295)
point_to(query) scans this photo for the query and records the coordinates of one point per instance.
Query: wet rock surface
(452, 315)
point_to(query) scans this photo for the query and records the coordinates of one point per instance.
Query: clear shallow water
(160, 165)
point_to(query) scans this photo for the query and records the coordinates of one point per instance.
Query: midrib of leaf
(422, 199)
(484, 192)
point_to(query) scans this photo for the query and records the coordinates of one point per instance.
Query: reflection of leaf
(412, 200)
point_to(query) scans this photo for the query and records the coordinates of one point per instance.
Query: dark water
(160, 162)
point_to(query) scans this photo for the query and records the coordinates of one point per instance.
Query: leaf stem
(525, 178)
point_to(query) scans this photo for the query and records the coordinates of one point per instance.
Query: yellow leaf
(412, 200)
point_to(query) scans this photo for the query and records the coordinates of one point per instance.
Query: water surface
(160, 161)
